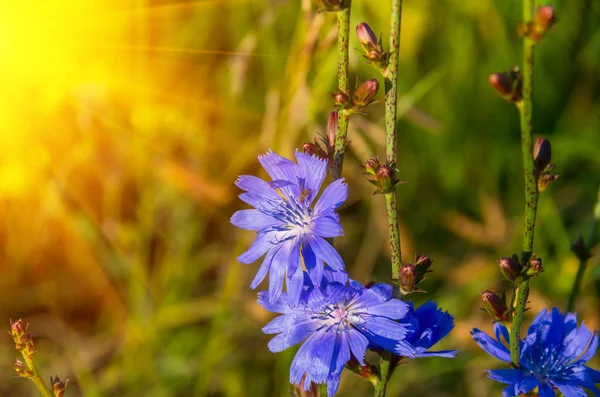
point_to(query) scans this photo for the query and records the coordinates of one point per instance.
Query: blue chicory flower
(553, 355)
(290, 230)
(429, 326)
(335, 320)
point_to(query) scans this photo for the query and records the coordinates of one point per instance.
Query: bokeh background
(123, 125)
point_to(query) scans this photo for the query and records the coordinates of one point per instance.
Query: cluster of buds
(372, 47)
(544, 20)
(314, 148)
(383, 177)
(411, 275)
(496, 307)
(516, 272)
(332, 5)
(508, 84)
(364, 95)
(542, 157)
(23, 339)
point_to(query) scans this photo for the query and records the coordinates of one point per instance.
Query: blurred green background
(125, 123)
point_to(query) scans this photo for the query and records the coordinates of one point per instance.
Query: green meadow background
(124, 125)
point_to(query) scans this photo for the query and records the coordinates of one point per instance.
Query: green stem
(343, 17)
(36, 377)
(391, 100)
(394, 232)
(391, 104)
(384, 374)
(592, 239)
(531, 188)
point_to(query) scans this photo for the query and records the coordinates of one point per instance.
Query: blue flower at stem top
(336, 321)
(553, 355)
(429, 325)
(290, 229)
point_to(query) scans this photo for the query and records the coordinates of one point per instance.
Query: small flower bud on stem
(496, 307)
(511, 269)
(508, 84)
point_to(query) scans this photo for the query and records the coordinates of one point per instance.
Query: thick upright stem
(531, 188)
(343, 17)
(391, 101)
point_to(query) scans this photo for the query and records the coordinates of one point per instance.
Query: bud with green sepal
(496, 307)
(511, 269)
(365, 94)
(372, 166)
(534, 266)
(372, 47)
(385, 180)
(408, 279)
(341, 100)
(314, 149)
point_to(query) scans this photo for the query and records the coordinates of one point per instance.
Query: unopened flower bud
(545, 18)
(423, 263)
(385, 178)
(508, 84)
(510, 268)
(542, 154)
(21, 369)
(495, 306)
(535, 266)
(579, 248)
(341, 99)
(408, 278)
(366, 37)
(22, 338)
(365, 93)
(332, 126)
(58, 387)
(372, 166)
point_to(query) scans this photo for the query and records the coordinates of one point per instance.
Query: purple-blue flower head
(429, 326)
(290, 229)
(336, 321)
(553, 355)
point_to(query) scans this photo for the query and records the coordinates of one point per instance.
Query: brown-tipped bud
(495, 306)
(422, 263)
(21, 369)
(535, 266)
(546, 180)
(385, 178)
(508, 84)
(58, 387)
(542, 154)
(23, 339)
(511, 269)
(364, 371)
(366, 37)
(372, 166)
(580, 249)
(545, 18)
(408, 278)
(332, 126)
(365, 93)
(341, 99)
(331, 5)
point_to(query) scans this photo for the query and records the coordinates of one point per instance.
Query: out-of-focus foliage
(123, 125)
